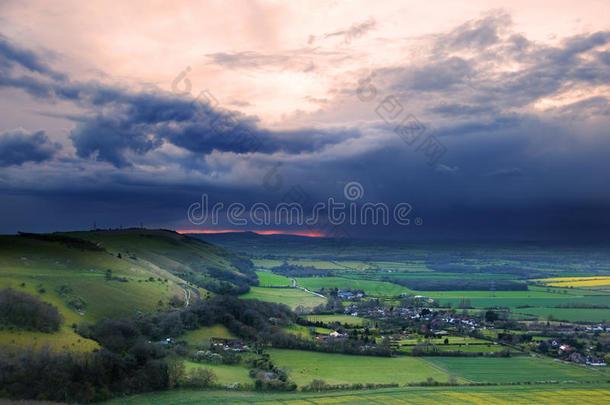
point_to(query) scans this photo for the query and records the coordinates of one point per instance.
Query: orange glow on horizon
(311, 234)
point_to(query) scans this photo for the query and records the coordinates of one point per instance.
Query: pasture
(202, 335)
(515, 369)
(342, 319)
(268, 279)
(341, 368)
(374, 288)
(569, 314)
(292, 297)
(227, 374)
(306, 332)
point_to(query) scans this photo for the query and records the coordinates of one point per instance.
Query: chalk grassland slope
(71, 271)
(501, 395)
(191, 259)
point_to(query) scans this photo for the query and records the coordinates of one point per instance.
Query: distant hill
(257, 245)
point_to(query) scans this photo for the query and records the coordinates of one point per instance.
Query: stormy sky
(489, 120)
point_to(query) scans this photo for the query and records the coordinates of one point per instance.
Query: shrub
(200, 377)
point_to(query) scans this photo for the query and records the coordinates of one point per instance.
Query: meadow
(569, 314)
(343, 319)
(306, 332)
(516, 369)
(268, 279)
(292, 297)
(202, 335)
(502, 395)
(341, 368)
(226, 374)
(374, 288)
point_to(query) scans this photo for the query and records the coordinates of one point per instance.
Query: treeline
(331, 345)
(295, 270)
(29, 312)
(249, 319)
(440, 284)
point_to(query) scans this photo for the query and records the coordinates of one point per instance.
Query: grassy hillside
(92, 275)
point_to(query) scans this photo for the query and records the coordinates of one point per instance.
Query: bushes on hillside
(28, 312)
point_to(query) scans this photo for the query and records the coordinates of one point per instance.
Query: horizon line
(310, 234)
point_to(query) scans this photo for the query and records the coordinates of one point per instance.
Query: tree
(175, 371)
(491, 316)
(316, 385)
(201, 377)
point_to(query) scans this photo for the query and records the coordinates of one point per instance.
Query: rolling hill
(97, 274)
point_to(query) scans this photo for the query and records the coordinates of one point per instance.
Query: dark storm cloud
(18, 147)
(124, 122)
(456, 109)
(510, 168)
(11, 55)
(458, 67)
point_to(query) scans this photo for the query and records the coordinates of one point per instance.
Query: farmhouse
(227, 344)
(345, 294)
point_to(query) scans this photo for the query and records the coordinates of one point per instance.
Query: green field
(202, 335)
(375, 288)
(342, 368)
(569, 314)
(490, 348)
(343, 319)
(227, 374)
(527, 301)
(516, 369)
(500, 395)
(292, 297)
(268, 279)
(305, 331)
